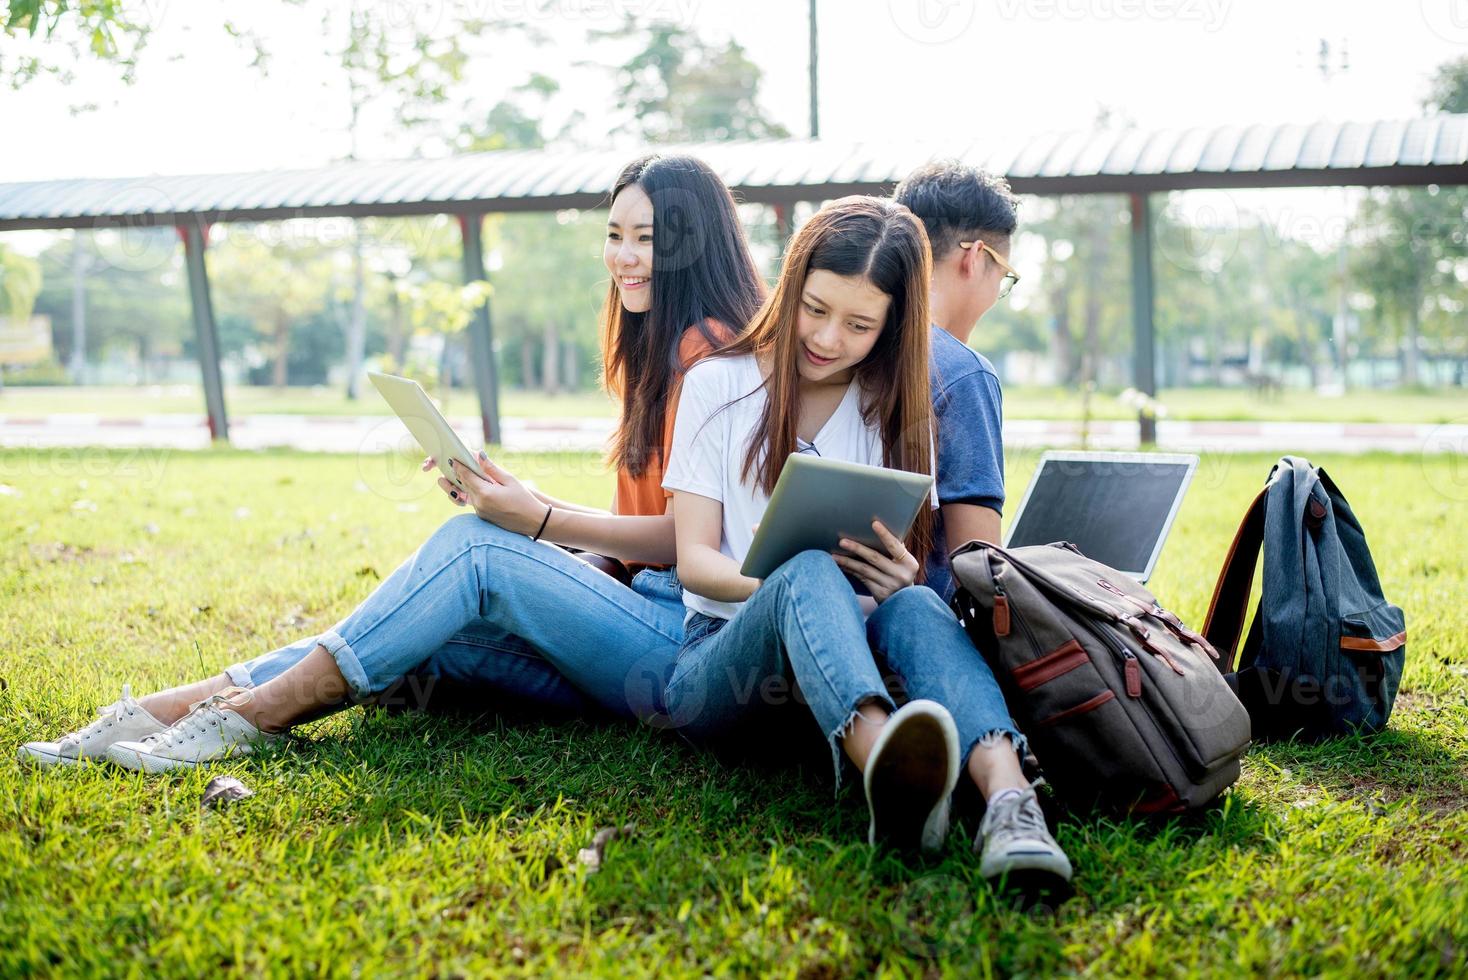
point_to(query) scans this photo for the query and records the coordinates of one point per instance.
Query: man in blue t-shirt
(970, 218)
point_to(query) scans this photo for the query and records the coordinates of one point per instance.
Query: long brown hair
(882, 242)
(701, 272)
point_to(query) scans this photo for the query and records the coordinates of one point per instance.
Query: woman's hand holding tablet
(819, 502)
(882, 574)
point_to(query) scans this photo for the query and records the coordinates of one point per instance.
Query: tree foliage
(678, 87)
(20, 284)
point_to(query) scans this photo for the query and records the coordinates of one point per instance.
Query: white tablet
(817, 502)
(426, 423)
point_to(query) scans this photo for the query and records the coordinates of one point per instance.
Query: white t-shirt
(710, 441)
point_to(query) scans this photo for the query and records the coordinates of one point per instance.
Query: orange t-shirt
(644, 496)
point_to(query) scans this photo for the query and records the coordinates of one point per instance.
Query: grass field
(429, 846)
(1019, 403)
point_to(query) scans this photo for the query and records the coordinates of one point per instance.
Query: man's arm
(963, 523)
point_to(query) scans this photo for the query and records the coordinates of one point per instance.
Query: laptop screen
(1115, 507)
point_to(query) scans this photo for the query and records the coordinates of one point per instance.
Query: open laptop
(1116, 507)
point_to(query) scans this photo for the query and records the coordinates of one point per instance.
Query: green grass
(1406, 406)
(418, 845)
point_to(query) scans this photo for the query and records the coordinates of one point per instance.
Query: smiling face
(840, 319)
(627, 251)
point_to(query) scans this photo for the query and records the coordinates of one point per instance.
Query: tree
(20, 284)
(546, 303)
(50, 38)
(101, 29)
(141, 313)
(1415, 261)
(677, 87)
(1413, 265)
(1084, 272)
(273, 286)
(1449, 87)
(410, 78)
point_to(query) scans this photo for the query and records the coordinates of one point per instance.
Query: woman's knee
(809, 566)
(917, 600)
(470, 528)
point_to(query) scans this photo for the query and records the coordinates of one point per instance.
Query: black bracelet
(548, 509)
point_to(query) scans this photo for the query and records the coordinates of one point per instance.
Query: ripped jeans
(800, 643)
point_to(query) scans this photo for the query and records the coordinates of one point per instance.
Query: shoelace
(202, 716)
(1017, 816)
(107, 716)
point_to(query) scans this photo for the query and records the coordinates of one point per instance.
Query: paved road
(375, 434)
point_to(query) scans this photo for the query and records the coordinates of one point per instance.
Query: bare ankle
(171, 705)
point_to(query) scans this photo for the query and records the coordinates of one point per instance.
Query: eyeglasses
(1011, 278)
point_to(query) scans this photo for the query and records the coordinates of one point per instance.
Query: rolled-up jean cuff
(239, 675)
(1020, 743)
(347, 662)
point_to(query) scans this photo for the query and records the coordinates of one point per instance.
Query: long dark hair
(880, 241)
(701, 271)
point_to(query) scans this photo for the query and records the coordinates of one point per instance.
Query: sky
(889, 70)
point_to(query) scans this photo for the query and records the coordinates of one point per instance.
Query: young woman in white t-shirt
(836, 363)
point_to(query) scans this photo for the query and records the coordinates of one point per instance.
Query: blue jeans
(483, 605)
(920, 642)
(800, 641)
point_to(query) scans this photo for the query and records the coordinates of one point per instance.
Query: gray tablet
(817, 502)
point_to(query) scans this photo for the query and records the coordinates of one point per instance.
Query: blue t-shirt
(967, 410)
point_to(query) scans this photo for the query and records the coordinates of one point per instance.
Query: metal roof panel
(1452, 142)
(480, 180)
(1385, 144)
(1060, 161)
(1418, 142)
(1186, 155)
(1318, 145)
(1350, 146)
(1220, 149)
(1284, 149)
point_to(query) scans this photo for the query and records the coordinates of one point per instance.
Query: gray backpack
(1326, 649)
(1121, 702)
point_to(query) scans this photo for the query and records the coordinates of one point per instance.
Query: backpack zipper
(1014, 616)
(1131, 667)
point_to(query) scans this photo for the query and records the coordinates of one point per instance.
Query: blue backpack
(1325, 652)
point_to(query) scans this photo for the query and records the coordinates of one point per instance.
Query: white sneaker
(910, 776)
(208, 733)
(122, 720)
(1016, 844)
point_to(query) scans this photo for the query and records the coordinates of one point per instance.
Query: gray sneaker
(1015, 843)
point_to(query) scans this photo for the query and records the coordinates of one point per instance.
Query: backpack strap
(1230, 603)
